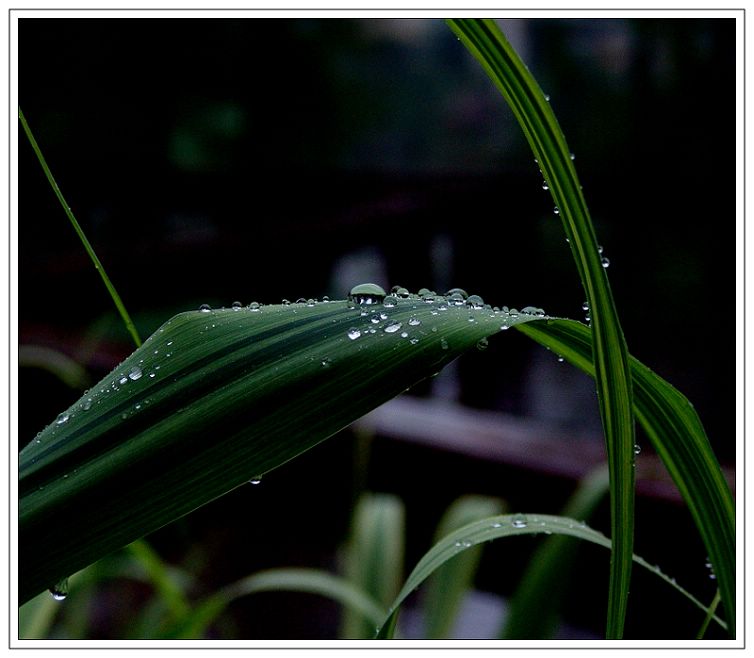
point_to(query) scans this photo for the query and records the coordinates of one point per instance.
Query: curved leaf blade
(496, 527)
(677, 435)
(213, 399)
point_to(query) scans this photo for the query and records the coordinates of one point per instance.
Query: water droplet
(123, 380)
(256, 479)
(426, 294)
(456, 298)
(135, 373)
(63, 418)
(393, 327)
(60, 590)
(573, 157)
(254, 306)
(606, 262)
(547, 97)
(236, 306)
(367, 293)
(483, 344)
(444, 344)
(556, 210)
(414, 321)
(519, 521)
(286, 302)
(400, 291)
(404, 334)
(325, 299)
(459, 291)
(414, 341)
(545, 186)
(353, 333)
(390, 301)
(560, 359)
(637, 448)
(497, 524)
(205, 308)
(475, 301)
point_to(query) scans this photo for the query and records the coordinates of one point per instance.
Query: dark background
(210, 160)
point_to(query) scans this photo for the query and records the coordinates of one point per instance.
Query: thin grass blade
(540, 126)
(497, 527)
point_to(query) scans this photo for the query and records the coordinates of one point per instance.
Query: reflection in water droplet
(475, 301)
(353, 333)
(60, 590)
(135, 373)
(205, 308)
(254, 306)
(606, 262)
(366, 293)
(519, 521)
(62, 418)
(236, 306)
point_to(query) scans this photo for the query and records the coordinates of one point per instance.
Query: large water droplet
(457, 299)
(62, 418)
(414, 321)
(606, 262)
(519, 521)
(353, 333)
(366, 293)
(60, 590)
(135, 373)
(393, 327)
(475, 301)
(205, 308)
(86, 404)
(254, 306)
(460, 291)
(400, 291)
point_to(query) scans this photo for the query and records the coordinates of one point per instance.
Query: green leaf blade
(612, 374)
(677, 435)
(211, 400)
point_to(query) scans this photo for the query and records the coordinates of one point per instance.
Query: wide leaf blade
(213, 399)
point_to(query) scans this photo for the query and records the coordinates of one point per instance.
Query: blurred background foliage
(210, 160)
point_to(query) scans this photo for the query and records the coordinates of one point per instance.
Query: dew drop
(497, 524)
(390, 301)
(400, 291)
(556, 210)
(393, 327)
(366, 293)
(444, 344)
(560, 359)
(256, 479)
(475, 301)
(135, 373)
(519, 521)
(60, 590)
(205, 308)
(482, 344)
(573, 157)
(547, 97)
(460, 291)
(545, 186)
(236, 306)
(353, 333)
(404, 334)
(605, 262)
(637, 448)
(63, 418)
(254, 306)
(414, 341)
(414, 321)
(585, 306)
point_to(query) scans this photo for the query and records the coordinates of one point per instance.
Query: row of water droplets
(372, 300)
